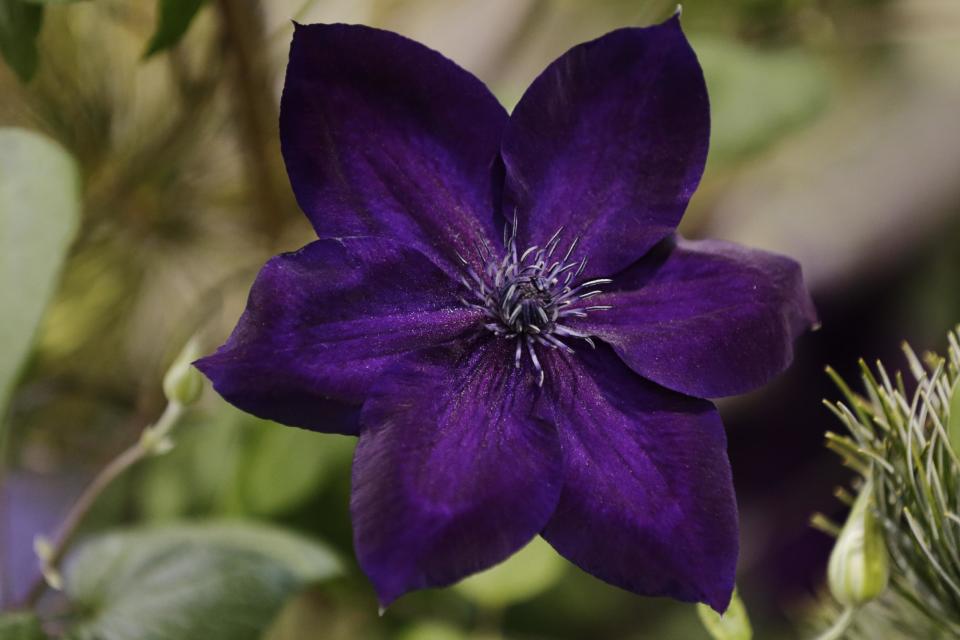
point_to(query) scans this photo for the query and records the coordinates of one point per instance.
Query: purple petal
(385, 137)
(705, 318)
(321, 325)
(610, 141)
(452, 474)
(647, 501)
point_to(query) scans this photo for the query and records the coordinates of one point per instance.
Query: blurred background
(836, 140)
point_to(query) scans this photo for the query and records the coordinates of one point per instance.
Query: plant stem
(256, 113)
(840, 625)
(145, 446)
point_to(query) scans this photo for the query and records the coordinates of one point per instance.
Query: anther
(527, 295)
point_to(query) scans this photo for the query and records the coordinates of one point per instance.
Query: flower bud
(183, 383)
(859, 567)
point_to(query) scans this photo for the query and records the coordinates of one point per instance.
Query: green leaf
(217, 581)
(39, 212)
(527, 573)
(232, 463)
(20, 626)
(734, 624)
(283, 466)
(758, 95)
(174, 18)
(19, 27)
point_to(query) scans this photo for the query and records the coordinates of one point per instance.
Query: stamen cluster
(527, 296)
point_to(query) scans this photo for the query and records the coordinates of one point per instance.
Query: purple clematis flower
(499, 308)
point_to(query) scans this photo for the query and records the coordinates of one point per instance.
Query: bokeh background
(836, 140)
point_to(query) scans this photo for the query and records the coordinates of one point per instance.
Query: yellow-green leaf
(527, 573)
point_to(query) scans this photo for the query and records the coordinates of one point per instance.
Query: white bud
(859, 567)
(183, 383)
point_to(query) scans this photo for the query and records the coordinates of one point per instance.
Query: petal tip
(388, 591)
(204, 364)
(719, 600)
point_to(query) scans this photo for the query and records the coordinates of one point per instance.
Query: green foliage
(20, 626)
(526, 574)
(39, 213)
(19, 26)
(174, 18)
(758, 95)
(432, 630)
(231, 462)
(898, 441)
(212, 581)
(20, 22)
(734, 624)
(284, 466)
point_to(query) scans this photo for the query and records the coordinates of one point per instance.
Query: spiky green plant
(904, 442)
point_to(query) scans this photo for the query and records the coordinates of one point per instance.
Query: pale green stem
(152, 440)
(840, 625)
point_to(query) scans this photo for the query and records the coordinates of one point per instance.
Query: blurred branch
(149, 443)
(245, 38)
(107, 196)
(840, 626)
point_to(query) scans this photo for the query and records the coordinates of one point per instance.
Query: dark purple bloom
(499, 308)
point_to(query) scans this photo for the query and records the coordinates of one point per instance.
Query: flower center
(528, 296)
(526, 305)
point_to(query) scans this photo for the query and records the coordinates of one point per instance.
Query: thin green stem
(840, 625)
(151, 438)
